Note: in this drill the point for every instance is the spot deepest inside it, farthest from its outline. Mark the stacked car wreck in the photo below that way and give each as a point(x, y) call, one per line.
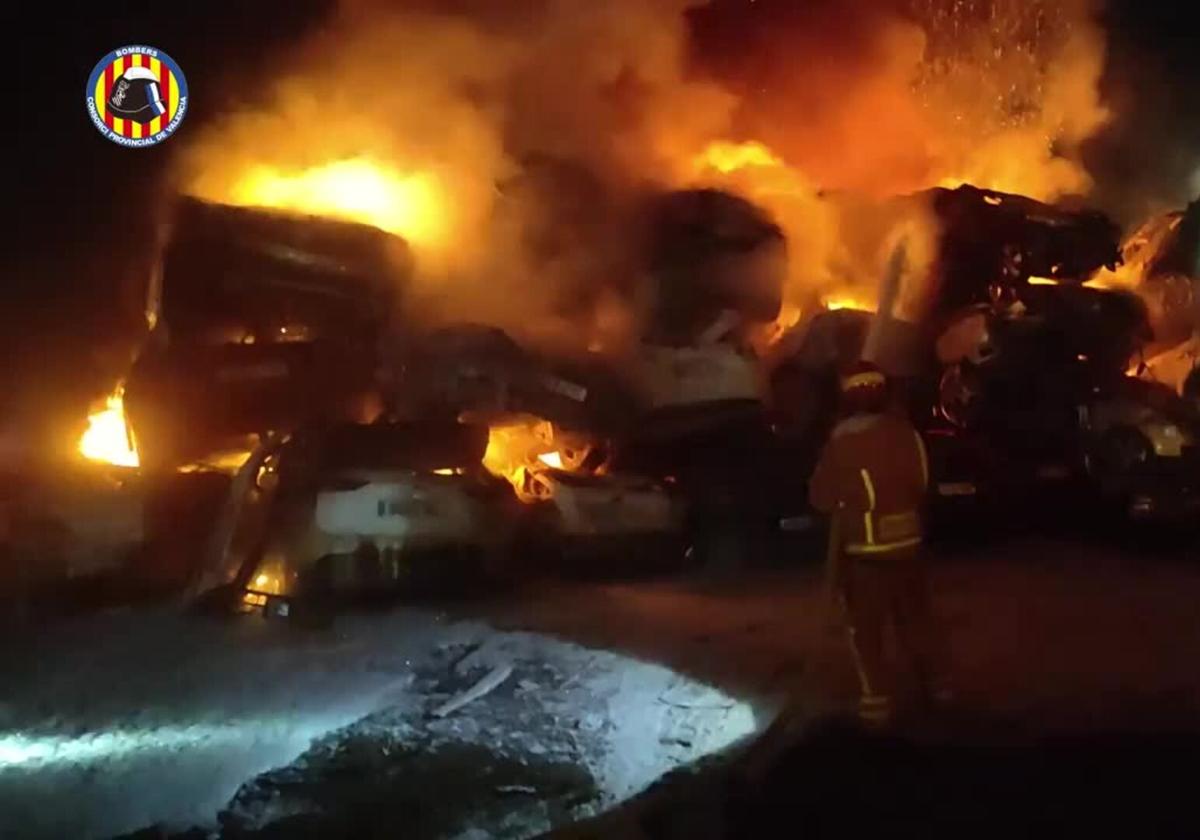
point(381, 454)
point(1018, 371)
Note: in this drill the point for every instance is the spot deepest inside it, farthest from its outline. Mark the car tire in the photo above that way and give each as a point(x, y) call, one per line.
point(1115, 455)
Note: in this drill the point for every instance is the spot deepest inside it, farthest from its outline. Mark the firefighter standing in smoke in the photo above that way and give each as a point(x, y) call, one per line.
point(871, 480)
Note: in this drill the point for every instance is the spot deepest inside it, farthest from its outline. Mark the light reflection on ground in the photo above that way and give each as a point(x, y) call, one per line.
point(132, 737)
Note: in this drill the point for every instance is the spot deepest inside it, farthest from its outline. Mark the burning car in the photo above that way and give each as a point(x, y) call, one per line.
point(991, 241)
point(1161, 261)
point(553, 423)
point(585, 516)
point(1043, 380)
point(1015, 345)
point(718, 262)
point(351, 509)
point(1162, 264)
point(1018, 374)
point(479, 372)
point(704, 424)
point(259, 320)
point(1140, 447)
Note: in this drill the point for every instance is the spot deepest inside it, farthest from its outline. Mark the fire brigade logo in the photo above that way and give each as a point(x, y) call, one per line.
point(137, 96)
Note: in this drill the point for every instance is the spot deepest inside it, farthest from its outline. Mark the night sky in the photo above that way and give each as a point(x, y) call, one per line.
point(80, 200)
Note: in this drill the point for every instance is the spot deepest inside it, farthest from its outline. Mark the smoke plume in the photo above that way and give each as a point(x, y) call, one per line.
point(532, 132)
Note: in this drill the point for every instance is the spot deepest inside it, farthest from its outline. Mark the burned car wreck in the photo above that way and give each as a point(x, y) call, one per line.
point(1018, 374)
point(1162, 264)
point(681, 449)
point(259, 321)
point(1044, 382)
point(553, 424)
point(358, 509)
point(667, 447)
point(252, 313)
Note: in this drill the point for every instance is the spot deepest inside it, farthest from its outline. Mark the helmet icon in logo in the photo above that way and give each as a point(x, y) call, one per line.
point(137, 96)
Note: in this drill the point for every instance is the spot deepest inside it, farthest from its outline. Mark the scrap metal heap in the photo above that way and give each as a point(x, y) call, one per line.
point(258, 320)
point(284, 327)
point(991, 238)
point(1019, 370)
point(1162, 263)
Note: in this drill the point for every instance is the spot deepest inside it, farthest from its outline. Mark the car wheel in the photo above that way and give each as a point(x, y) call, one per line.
point(958, 396)
point(1119, 452)
point(1113, 462)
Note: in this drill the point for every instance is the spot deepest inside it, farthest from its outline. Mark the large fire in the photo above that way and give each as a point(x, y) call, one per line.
point(108, 438)
point(411, 205)
point(892, 99)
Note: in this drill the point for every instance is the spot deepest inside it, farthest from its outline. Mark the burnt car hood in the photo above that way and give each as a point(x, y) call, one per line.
point(480, 372)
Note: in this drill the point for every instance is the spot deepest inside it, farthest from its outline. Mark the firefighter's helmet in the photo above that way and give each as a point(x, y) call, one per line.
point(864, 389)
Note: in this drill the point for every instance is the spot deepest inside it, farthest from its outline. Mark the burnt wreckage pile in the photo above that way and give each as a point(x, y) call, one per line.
point(389, 456)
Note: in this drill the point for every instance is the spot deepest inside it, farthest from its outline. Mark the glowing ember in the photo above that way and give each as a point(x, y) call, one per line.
point(847, 302)
point(553, 460)
point(108, 438)
point(358, 190)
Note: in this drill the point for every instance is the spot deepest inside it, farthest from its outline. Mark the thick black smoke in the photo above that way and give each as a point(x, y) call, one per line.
point(1148, 158)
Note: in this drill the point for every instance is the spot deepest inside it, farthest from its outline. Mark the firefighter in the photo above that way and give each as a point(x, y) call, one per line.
point(871, 480)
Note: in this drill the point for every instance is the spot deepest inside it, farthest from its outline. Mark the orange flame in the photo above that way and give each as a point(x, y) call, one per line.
point(1124, 277)
point(516, 448)
point(833, 302)
point(411, 205)
point(108, 438)
point(528, 445)
point(726, 157)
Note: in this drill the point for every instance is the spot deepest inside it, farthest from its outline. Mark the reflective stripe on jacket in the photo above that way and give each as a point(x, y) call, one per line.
point(872, 475)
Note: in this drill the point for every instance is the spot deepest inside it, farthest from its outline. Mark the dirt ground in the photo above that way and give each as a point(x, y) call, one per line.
point(1078, 683)
point(1048, 638)
point(1065, 635)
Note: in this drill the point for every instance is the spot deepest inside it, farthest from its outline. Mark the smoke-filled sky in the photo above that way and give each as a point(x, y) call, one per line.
point(876, 96)
point(760, 50)
point(543, 122)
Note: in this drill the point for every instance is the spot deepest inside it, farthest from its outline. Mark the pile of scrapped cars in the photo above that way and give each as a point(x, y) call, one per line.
point(381, 455)
point(1022, 377)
